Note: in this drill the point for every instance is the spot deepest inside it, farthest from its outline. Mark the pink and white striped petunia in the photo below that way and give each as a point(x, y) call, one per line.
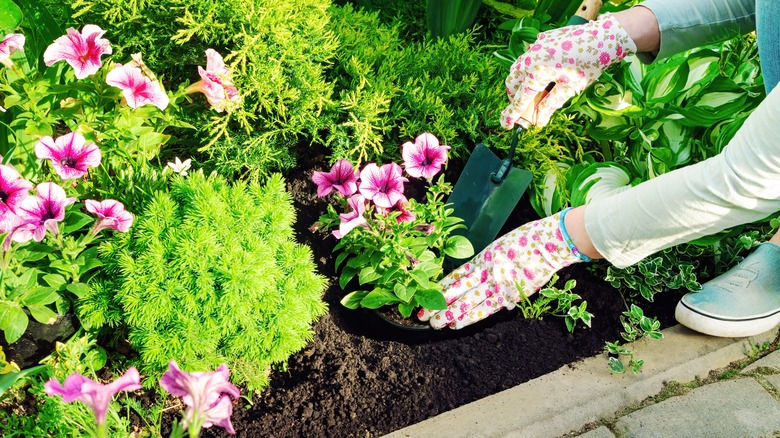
point(354, 218)
point(342, 177)
point(41, 213)
point(206, 394)
point(137, 89)
point(13, 189)
point(93, 394)
point(81, 50)
point(424, 157)
point(11, 43)
point(216, 83)
point(383, 185)
point(400, 206)
point(111, 214)
point(70, 154)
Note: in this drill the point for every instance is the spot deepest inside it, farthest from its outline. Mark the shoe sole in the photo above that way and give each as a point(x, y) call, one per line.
point(725, 328)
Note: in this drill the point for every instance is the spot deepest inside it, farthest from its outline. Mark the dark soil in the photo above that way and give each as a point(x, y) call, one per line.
point(361, 377)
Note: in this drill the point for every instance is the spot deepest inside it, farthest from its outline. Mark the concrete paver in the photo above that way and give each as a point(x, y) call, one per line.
point(585, 392)
point(600, 432)
point(771, 361)
point(731, 408)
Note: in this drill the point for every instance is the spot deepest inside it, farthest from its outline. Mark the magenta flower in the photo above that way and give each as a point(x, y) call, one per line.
point(137, 89)
point(216, 83)
point(111, 214)
point(13, 189)
point(205, 394)
point(70, 155)
point(41, 212)
point(342, 177)
point(383, 185)
point(424, 157)
point(354, 218)
point(91, 393)
point(81, 50)
point(406, 215)
point(11, 43)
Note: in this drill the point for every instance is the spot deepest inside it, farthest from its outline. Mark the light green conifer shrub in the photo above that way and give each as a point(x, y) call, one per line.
point(278, 50)
point(389, 89)
point(209, 274)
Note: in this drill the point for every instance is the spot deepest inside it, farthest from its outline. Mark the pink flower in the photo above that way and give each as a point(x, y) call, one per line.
point(137, 89)
point(558, 234)
point(566, 45)
point(511, 254)
point(383, 185)
point(488, 256)
point(111, 214)
point(354, 218)
point(424, 157)
point(81, 50)
point(483, 276)
point(41, 212)
point(604, 58)
point(207, 395)
point(529, 274)
point(13, 189)
point(448, 314)
point(406, 215)
point(342, 177)
point(11, 43)
point(523, 241)
point(550, 247)
point(216, 83)
point(91, 393)
point(70, 155)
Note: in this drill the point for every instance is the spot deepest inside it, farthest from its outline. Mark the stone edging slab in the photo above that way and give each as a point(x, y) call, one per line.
point(585, 391)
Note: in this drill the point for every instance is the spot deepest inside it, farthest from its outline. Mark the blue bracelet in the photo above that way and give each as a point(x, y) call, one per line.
point(568, 240)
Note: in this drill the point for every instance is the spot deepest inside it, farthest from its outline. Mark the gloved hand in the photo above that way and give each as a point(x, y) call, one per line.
point(572, 57)
point(523, 260)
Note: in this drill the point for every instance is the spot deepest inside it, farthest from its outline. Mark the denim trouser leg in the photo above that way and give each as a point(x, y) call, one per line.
point(768, 32)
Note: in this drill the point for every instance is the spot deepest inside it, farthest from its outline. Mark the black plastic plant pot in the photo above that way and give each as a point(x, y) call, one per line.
point(39, 340)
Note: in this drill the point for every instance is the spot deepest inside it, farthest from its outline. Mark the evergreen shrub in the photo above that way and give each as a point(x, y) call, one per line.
point(210, 274)
point(389, 89)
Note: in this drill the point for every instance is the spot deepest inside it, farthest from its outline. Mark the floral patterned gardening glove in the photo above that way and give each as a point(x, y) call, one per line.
point(572, 58)
point(519, 263)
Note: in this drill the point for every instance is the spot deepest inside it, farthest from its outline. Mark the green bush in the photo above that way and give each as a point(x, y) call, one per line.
point(389, 89)
point(210, 274)
point(277, 49)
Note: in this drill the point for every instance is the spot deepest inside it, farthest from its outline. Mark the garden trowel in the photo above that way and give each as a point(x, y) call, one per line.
point(489, 188)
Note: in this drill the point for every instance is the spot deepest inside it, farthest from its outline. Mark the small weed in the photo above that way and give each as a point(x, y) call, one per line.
point(556, 302)
point(635, 326)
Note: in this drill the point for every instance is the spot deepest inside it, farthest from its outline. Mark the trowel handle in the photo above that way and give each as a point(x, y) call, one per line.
point(587, 11)
point(498, 176)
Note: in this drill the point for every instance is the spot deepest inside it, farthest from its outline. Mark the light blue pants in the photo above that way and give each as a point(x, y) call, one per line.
point(740, 185)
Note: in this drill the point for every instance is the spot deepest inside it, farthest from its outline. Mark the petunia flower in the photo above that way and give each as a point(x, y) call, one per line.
point(216, 83)
point(70, 154)
point(342, 177)
point(111, 214)
point(205, 394)
point(383, 185)
point(137, 89)
point(81, 50)
point(424, 157)
point(41, 213)
point(11, 43)
point(406, 215)
point(354, 218)
point(13, 189)
point(91, 393)
point(179, 166)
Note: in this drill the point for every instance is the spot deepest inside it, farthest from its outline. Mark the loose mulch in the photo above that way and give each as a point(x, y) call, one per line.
point(361, 377)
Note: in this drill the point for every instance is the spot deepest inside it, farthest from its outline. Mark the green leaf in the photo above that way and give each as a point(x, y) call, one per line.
point(431, 299)
point(42, 314)
point(353, 299)
point(403, 292)
point(7, 380)
point(346, 276)
point(41, 296)
point(78, 289)
point(10, 16)
point(368, 275)
point(458, 247)
point(75, 220)
point(13, 321)
point(616, 365)
point(406, 309)
point(378, 298)
point(54, 280)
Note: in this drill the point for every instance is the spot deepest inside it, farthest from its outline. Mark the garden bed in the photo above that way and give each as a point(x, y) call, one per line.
point(361, 377)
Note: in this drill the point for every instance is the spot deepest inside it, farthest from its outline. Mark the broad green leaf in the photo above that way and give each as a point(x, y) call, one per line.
point(368, 275)
point(7, 380)
point(431, 299)
point(403, 292)
point(33, 251)
point(42, 314)
point(75, 220)
point(54, 280)
point(13, 321)
point(664, 83)
point(458, 247)
point(340, 258)
point(378, 298)
point(10, 16)
point(353, 299)
point(41, 296)
point(420, 277)
point(616, 365)
point(346, 275)
point(78, 289)
point(406, 309)
point(599, 180)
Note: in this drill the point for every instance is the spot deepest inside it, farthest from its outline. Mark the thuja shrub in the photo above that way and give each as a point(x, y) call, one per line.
point(276, 49)
point(210, 274)
point(389, 89)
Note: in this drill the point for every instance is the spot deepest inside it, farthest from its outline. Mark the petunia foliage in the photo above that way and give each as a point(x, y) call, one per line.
point(210, 274)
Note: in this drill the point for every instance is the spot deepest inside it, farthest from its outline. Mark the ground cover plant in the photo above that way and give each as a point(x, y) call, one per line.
point(212, 270)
